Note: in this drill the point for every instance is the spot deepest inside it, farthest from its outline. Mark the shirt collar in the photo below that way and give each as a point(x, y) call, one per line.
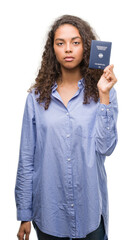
point(54, 87)
point(81, 84)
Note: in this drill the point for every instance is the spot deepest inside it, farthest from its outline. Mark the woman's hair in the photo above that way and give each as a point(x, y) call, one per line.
point(50, 70)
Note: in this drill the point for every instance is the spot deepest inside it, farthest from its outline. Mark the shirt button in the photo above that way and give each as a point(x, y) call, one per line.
point(72, 205)
point(68, 135)
point(102, 109)
point(108, 128)
point(68, 159)
point(67, 113)
point(107, 109)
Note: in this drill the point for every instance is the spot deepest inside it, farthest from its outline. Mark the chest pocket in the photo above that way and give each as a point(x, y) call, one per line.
point(86, 128)
point(84, 120)
point(85, 132)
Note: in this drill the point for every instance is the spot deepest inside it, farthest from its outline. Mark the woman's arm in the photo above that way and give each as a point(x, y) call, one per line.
point(23, 188)
point(106, 132)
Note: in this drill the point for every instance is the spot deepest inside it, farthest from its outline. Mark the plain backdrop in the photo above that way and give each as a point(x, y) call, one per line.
point(24, 25)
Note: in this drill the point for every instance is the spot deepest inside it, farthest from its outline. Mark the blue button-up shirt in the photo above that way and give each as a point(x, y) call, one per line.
point(61, 179)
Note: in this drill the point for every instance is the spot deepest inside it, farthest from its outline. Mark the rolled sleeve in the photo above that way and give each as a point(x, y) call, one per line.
point(106, 130)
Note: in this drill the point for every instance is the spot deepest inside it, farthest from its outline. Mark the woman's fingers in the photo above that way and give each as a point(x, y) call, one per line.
point(27, 236)
point(20, 235)
point(109, 68)
point(109, 74)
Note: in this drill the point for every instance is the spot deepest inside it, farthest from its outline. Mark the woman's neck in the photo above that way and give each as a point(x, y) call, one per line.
point(70, 77)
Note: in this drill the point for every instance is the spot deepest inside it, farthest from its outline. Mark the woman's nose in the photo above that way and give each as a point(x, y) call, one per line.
point(68, 48)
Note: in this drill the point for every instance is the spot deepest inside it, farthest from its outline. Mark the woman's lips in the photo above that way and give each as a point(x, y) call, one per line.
point(69, 59)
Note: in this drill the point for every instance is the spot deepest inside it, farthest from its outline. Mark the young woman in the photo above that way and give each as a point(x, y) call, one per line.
point(69, 127)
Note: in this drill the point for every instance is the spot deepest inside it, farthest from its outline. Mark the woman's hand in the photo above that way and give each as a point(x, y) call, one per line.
point(24, 231)
point(105, 83)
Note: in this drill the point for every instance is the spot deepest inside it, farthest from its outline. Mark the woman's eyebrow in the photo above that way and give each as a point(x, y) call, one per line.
point(61, 39)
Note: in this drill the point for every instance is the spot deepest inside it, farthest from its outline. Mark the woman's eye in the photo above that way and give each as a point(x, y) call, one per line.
point(76, 43)
point(59, 44)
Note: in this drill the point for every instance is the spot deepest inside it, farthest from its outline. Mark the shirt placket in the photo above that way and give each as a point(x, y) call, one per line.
point(70, 195)
point(69, 183)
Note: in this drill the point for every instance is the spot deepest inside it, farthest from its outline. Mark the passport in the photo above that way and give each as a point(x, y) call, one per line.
point(99, 54)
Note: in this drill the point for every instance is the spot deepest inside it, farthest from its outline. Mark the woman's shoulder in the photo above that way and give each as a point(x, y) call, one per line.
point(31, 98)
point(33, 93)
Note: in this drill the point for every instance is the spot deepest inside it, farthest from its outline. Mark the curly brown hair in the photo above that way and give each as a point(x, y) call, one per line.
point(50, 70)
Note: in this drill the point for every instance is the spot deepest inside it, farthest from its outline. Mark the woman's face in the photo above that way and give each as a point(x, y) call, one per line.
point(68, 46)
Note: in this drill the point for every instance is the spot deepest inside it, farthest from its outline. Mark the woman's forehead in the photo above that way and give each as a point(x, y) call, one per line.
point(67, 30)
